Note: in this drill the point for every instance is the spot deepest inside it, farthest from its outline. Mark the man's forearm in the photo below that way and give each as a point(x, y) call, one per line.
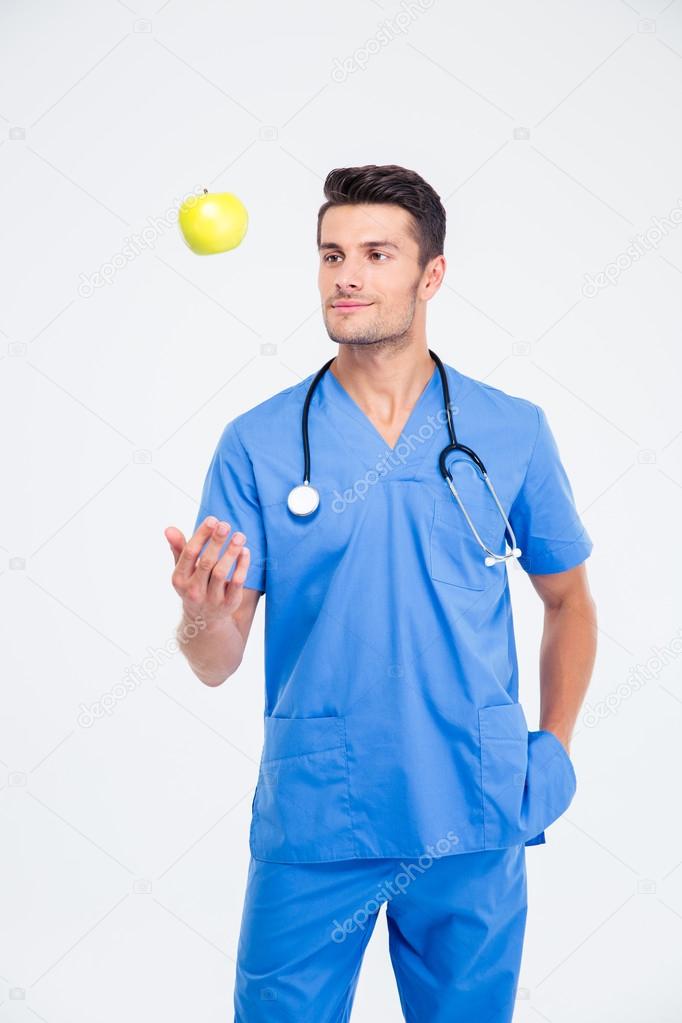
point(567, 654)
point(214, 649)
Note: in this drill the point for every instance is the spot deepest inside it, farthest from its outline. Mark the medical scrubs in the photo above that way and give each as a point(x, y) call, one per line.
point(391, 716)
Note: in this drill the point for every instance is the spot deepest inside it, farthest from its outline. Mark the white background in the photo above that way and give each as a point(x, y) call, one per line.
point(551, 132)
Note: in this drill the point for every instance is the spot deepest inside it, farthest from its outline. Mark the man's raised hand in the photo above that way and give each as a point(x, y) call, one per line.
point(201, 581)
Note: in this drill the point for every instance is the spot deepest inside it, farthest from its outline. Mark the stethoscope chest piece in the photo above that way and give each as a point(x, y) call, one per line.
point(303, 499)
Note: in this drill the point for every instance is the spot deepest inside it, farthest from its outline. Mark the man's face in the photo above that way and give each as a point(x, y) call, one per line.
point(368, 257)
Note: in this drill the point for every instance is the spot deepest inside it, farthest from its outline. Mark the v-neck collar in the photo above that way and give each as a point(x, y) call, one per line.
point(337, 392)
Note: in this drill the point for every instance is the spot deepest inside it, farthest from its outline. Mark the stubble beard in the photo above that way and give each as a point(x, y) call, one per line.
point(380, 333)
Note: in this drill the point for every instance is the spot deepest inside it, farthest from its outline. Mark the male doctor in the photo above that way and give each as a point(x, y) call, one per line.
point(398, 766)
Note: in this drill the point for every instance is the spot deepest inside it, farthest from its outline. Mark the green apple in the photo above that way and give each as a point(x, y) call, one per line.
point(213, 222)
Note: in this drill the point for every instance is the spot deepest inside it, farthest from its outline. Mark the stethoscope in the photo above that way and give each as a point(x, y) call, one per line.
point(304, 498)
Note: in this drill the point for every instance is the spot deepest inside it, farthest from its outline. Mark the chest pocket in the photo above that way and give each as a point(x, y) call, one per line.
point(455, 554)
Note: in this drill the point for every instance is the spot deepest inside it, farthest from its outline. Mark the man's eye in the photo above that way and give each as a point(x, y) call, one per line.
point(335, 255)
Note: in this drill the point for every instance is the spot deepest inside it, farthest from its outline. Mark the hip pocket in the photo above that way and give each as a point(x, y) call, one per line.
point(301, 808)
point(527, 778)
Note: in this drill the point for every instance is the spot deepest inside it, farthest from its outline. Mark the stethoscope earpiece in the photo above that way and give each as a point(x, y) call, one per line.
point(490, 560)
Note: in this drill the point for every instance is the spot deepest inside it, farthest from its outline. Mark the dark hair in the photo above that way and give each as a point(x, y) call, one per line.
point(347, 186)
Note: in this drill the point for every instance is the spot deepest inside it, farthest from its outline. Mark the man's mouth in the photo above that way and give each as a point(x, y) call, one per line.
point(349, 306)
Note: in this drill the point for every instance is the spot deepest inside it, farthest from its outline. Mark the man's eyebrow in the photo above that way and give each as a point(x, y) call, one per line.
point(364, 245)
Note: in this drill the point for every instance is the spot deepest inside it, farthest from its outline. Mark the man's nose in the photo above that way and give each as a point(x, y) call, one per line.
point(348, 279)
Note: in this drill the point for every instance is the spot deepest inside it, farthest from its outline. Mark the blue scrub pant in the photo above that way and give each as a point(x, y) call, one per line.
point(455, 935)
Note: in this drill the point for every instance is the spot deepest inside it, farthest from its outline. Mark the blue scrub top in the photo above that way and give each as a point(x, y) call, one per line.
point(391, 717)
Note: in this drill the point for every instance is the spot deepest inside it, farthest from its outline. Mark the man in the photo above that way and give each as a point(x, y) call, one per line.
point(397, 766)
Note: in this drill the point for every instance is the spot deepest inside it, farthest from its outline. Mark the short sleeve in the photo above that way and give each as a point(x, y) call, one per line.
point(230, 494)
point(543, 516)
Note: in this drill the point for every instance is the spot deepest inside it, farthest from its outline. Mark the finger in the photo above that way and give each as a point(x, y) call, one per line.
point(235, 586)
point(176, 541)
point(209, 556)
point(221, 570)
point(188, 556)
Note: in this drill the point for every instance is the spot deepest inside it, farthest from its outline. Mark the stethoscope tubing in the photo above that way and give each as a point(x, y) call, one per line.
point(454, 445)
point(304, 420)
